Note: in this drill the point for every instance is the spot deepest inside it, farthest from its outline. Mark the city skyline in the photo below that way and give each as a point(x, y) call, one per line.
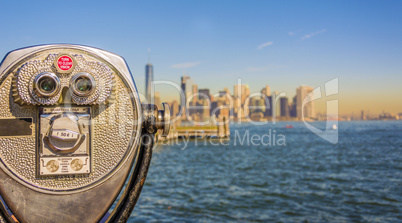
point(317, 107)
point(199, 105)
point(263, 43)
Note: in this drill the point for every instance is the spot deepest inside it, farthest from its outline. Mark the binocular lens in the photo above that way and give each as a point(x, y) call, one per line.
point(83, 84)
point(47, 84)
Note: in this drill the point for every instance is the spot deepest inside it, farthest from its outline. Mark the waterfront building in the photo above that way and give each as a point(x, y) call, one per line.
point(276, 108)
point(195, 96)
point(362, 116)
point(266, 90)
point(269, 104)
point(292, 108)
point(241, 93)
point(256, 108)
point(284, 105)
point(174, 108)
point(302, 93)
point(219, 108)
point(204, 110)
point(204, 93)
point(187, 90)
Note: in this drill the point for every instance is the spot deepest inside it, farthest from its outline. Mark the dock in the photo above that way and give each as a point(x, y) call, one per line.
point(192, 132)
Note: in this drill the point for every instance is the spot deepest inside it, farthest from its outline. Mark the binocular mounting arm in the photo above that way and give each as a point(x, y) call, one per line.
point(153, 120)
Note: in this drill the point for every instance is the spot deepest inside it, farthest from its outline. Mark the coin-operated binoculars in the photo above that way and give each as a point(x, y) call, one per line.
point(72, 133)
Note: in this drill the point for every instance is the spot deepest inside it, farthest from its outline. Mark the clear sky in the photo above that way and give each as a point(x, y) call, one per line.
point(216, 42)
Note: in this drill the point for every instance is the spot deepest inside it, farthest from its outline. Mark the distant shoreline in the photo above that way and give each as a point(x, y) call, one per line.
point(190, 125)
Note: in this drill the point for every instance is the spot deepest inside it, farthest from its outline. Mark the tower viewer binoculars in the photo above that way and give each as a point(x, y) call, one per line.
point(73, 133)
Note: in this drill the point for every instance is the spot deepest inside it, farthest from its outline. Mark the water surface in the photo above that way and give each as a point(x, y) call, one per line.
point(359, 179)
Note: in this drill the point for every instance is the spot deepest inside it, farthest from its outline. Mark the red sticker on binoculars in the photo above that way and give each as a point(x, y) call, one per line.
point(65, 63)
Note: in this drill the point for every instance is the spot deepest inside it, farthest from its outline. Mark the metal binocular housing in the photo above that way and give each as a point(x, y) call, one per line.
point(73, 133)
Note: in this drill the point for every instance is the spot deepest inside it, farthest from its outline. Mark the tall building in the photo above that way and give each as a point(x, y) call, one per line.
point(266, 90)
point(194, 99)
point(149, 77)
point(241, 92)
point(301, 93)
point(174, 112)
point(276, 108)
point(284, 104)
point(266, 96)
point(204, 94)
point(268, 102)
point(247, 93)
point(205, 109)
point(218, 108)
point(257, 104)
point(174, 108)
point(187, 89)
point(292, 110)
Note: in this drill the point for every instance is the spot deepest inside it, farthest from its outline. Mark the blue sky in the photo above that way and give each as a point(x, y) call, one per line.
point(216, 42)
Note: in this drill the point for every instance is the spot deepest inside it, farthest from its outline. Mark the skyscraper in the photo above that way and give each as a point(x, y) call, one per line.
point(187, 89)
point(292, 107)
point(195, 95)
point(205, 110)
point(149, 77)
point(174, 108)
point(303, 92)
point(268, 102)
point(276, 108)
point(204, 94)
point(284, 104)
point(257, 104)
point(241, 92)
point(266, 90)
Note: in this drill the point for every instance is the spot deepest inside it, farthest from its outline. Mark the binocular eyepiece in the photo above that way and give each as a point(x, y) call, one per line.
point(72, 128)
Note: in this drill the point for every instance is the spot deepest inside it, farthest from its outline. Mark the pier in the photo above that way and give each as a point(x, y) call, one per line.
point(192, 132)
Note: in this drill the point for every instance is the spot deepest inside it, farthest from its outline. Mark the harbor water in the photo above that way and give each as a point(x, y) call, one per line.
point(285, 173)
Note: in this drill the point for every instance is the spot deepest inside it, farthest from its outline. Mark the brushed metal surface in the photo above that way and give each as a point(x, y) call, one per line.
point(88, 206)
